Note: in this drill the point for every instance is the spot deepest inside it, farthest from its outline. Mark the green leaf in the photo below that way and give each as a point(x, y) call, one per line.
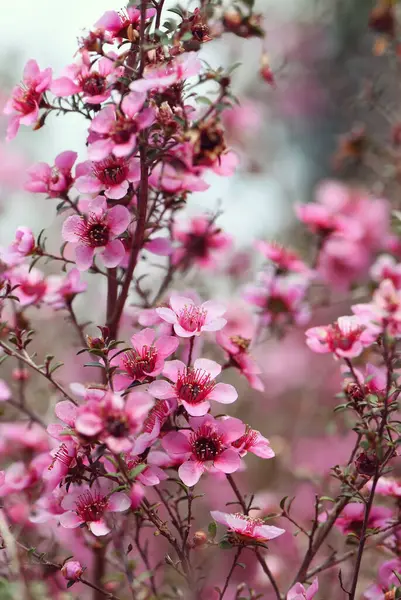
point(225, 545)
point(212, 529)
point(137, 470)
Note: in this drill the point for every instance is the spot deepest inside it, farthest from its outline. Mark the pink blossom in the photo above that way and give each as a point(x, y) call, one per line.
point(151, 475)
point(245, 528)
point(97, 233)
point(384, 312)
point(53, 181)
point(22, 246)
point(62, 290)
point(72, 570)
point(90, 506)
point(24, 104)
point(208, 445)
point(386, 486)
point(346, 338)
point(114, 419)
point(116, 129)
point(174, 177)
point(31, 283)
point(236, 348)
point(343, 261)
point(5, 392)
point(189, 319)
point(253, 441)
point(117, 22)
point(351, 518)
point(193, 387)
point(200, 243)
point(161, 77)
point(298, 591)
point(146, 359)
point(94, 80)
point(150, 431)
point(388, 580)
point(283, 259)
point(63, 458)
point(386, 267)
point(111, 175)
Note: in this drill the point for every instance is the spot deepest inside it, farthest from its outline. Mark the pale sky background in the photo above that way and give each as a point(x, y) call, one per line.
point(47, 30)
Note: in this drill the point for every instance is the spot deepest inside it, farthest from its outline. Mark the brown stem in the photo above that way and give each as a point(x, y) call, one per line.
point(27, 411)
point(98, 571)
point(231, 571)
point(267, 572)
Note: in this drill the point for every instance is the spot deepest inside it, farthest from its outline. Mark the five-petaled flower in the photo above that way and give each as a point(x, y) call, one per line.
point(189, 319)
point(111, 175)
point(345, 338)
point(244, 529)
point(96, 232)
point(53, 181)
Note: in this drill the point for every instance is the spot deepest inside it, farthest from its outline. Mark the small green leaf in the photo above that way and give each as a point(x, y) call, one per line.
point(212, 529)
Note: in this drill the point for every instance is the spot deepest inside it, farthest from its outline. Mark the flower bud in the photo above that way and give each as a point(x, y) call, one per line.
point(366, 463)
point(72, 570)
point(199, 539)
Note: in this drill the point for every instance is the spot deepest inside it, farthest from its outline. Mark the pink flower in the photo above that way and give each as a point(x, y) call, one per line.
point(189, 319)
point(193, 386)
point(386, 267)
point(298, 591)
point(386, 486)
point(97, 233)
point(351, 518)
point(117, 22)
point(160, 78)
point(200, 243)
point(208, 445)
point(94, 80)
point(113, 175)
point(63, 458)
point(22, 246)
point(5, 392)
point(90, 505)
point(253, 441)
point(114, 419)
point(62, 290)
point(72, 570)
point(236, 347)
point(23, 106)
point(384, 312)
point(174, 177)
point(343, 261)
point(116, 129)
point(151, 475)
point(31, 283)
point(245, 528)
point(146, 359)
point(346, 338)
point(283, 259)
point(53, 181)
point(388, 580)
point(156, 418)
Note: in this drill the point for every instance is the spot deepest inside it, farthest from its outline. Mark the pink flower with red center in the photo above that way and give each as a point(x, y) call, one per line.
point(117, 23)
point(62, 290)
point(352, 516)
point(284, 260)
point(24, 104)
point(384, 312)
point(161, 77)
point(246, 529)
point(193, 387)
point(116, 129)
point(22, 246)
point(90, 505)
point(253, 441)
point(111, 175)
point(189, 319)
point(236, 348)
point(146, 359)
point(386, 267)
point(93, 80)
point(31, 283)
point(388, 581)
point(200, 243)
point(345, 338)
point(53, 181)
point(114, 419)
point(207, 446)
point(299, 592)
point(96, 233)
point(174, 177)
point(151, 428)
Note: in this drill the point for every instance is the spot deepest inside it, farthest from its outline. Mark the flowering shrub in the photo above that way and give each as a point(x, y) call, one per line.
point(129, 487)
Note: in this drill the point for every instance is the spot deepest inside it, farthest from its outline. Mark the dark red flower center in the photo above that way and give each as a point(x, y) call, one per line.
point(338, 340)
point(91, 507)
point(94, 84)
point(111, 171)
point(123, 129)
point(194, 386)
point(117, 425)
point(206, 443)
point(138, 365)
point(98, 235)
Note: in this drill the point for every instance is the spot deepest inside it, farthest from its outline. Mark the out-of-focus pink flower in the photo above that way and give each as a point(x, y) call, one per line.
point(117, 128)
point(5, 392)
point(283, 259)
point(387, 580)
point(146, 359)
point(386, 486)
point(161, 77)
point(93, 80)
point(22, 246)
point(242, 121)
point(208, 445)
point(31, 283)
point(72, 570)
point(53, 181)
point(193, 386)
point(245, 528)
point(189, 320)
point(346, 338)
point(200, 243)
point(386, 267)
point(24, 104)
point(176, 178)
point(152, 425)
point(342, 261)
point(90, 506)
point(352, 516)
point(97, 233)
point(62, 290)
point(117, 23)
point(298, 591)
point(111, 175)
point(384, 312)
point(237, 347)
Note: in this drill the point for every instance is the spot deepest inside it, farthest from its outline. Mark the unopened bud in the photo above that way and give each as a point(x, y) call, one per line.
point(199, 539)
point(366, 462)
point(72, 570)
